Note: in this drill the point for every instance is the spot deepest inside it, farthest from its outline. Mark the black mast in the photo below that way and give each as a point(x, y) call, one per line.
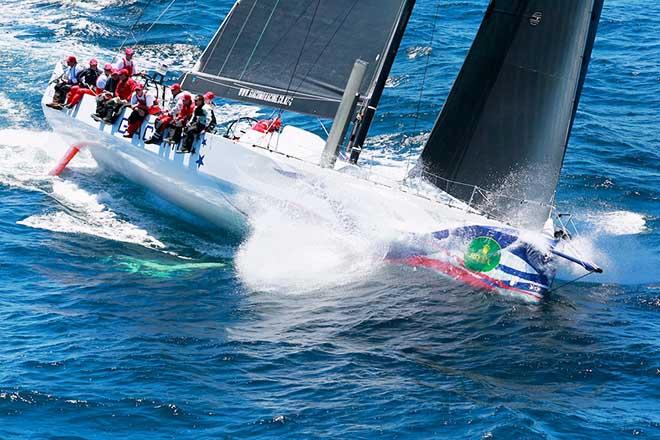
point(362, 128)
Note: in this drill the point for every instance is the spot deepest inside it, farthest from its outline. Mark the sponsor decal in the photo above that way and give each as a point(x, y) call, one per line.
point(535, 19)
point(148, 132)
point(123, 126)
point(483, 254)
point(260, 95)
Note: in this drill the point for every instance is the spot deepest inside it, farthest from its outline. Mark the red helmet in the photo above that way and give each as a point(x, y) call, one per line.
point(71, 59)
point(187, 96)
point(176, 87)
point(209, 96)
point(108, 66)
point(128, 51)
point(123, 72)
point(139, 87)
point(93, 62)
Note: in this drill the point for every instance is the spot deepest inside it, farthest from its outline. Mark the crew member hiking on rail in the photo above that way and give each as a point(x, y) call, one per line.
point(141, 103)
point(64, 83)
point(87, 80)
point(199, 123)
point(111, 110)
point(107, 93)
point(175, 118)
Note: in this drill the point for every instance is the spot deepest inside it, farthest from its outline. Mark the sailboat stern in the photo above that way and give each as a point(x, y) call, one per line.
point(490, 258)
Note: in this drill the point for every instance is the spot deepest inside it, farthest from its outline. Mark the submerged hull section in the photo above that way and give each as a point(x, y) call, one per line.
point(228, 183)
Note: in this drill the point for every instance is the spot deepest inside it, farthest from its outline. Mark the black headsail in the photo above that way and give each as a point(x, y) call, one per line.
point(506, 123)
point(297, 54)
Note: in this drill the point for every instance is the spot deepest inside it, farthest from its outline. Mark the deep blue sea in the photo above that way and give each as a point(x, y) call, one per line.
point(123, 317)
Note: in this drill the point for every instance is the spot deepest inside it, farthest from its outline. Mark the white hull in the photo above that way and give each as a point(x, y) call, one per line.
point(234, 181)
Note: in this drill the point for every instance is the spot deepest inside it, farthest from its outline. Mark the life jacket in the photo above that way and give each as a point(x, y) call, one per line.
point(141, 100)
point(268, 125)
point(128, 65)
point(72, 74)
point(186, 112)
point(124, 89)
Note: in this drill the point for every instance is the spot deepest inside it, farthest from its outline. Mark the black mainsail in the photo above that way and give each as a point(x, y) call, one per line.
point(298, 54)
point(506, 123)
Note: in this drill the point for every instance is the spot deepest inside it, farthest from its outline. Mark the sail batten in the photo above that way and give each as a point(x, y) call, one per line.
point(298, 54)
point(506, 123)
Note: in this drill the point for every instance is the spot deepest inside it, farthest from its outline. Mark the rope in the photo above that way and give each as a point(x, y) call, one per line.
point(295, 67)
point(428, 61)
point(139, 17)
point(323, 126)
point(137, 20)
point(159, 17)
point(571, 282)
point(263, 31)
point(426, 70)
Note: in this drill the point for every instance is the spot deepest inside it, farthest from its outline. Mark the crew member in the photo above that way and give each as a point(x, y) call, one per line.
point(87, 78)
point(198, 124)
point(208, 100)
point(107, 94)
point(176, 118)
point(68, 79)
point(123, 92)
point(103, 78)
point(141, 103)
point(127, 63)
point(86, 84)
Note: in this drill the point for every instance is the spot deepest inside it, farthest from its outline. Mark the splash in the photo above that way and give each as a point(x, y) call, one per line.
point(614, 241)
point(107, 226)
point(618, 223)
point(339, 237)
point(86, 215)
point(291, 253)
point(27, 156)
point(418, 51)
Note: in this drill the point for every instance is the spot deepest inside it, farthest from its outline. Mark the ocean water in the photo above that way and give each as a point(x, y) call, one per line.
point(123, 317)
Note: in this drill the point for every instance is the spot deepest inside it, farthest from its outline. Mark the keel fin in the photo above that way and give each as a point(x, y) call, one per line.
point(61, 165)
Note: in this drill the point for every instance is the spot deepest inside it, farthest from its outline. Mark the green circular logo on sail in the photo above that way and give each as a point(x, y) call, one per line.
point(482, 255)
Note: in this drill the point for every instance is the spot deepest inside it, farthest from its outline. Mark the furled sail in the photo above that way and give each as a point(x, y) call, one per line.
point(506, 123)
point(296, 54)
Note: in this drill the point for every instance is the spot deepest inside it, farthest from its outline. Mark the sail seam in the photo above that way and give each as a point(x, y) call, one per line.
point(263, 31)
point(238, 36)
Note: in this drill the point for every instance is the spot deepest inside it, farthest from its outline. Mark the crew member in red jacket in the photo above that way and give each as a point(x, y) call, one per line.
point(122, 95)
point(176, 118)
point(141, 103)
